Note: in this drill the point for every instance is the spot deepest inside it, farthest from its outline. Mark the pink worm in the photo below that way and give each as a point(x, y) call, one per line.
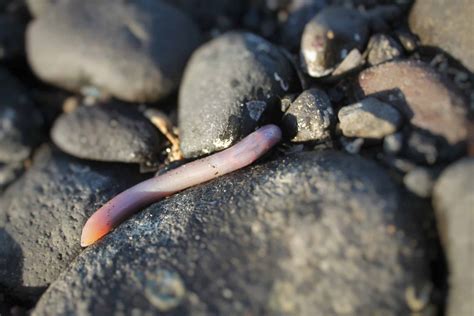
point(202, 170)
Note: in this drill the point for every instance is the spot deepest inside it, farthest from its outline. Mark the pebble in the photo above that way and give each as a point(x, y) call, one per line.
point(20, 121)
point(429, 102)
point(310, 117)
point(447, 25)
point(393, 143)
point(9, 173)
point(109, 132)
point(329, 37)
point(231, 85)
point(420, 181)
point(39, 7)
point(42, 214)
point(369, 118)
point(453, 201)
point(135, 51)
point(383, 48)
point(256, 249)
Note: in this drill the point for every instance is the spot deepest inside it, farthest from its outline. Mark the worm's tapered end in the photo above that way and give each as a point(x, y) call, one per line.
point(94, 229)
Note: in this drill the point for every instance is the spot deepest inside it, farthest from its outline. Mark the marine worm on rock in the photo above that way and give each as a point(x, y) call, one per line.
point(202, 170)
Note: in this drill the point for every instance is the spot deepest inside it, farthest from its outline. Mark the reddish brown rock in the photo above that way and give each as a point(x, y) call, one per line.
point(429, 102)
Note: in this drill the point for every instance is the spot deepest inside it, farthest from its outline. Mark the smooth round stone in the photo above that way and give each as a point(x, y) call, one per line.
point(42, 214)
point(453, 200)
point(314, 233)
point(369, 118)
point(430, 103)
point(310, 117)
point(329, 37)
point(20, 121)
point(133, 50)
point(111, 132)
point(231, 85)
point(447, 25)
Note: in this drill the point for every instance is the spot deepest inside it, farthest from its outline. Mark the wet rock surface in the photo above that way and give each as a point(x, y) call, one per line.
point(432, 106)
point(244, 244)
point(453, 201)
point(310, 117)
point(231, 83)
point(369, 118)
point(20, 120)
point(42, 214)
point(112, 45)
point(110, 132)
point(447, 25)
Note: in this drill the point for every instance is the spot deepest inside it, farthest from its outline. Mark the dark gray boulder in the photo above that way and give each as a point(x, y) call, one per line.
point(308, 234)
point(134, 50)
point(111, 132)
point(231, 85)
point(12, 31)
point(20, 121)
point(42, 214)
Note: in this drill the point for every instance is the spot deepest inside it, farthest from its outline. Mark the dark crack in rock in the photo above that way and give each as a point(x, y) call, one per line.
point(231, 85)
point(308, 234)
point(111, 132)
point(43, 213)
point(20, 121)
point(453, 200)
point(310, 117)
point(134, 50)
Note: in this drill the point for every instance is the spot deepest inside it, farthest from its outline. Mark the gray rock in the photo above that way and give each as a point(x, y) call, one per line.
point(135, 51)
point(369, 118)
point(41, 217)
point(421, 147)
point(111, 132)
point(447, 25)
point(453, 200)
point(310, 117)
point(420, 181)
point(307, 234)
point(11, 36)
point(231, 85)
point(382, 48)
point(392, 144)
point(329, 37)
point(20, 121)
point(430, 103)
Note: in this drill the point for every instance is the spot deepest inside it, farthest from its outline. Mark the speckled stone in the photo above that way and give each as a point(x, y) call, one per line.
point(231, 85)
point(109, 132)
point(41, 217)
point(310, 117)
point(315, 233)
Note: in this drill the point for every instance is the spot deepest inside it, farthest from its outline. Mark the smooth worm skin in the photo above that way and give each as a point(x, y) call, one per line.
point(202, 170)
